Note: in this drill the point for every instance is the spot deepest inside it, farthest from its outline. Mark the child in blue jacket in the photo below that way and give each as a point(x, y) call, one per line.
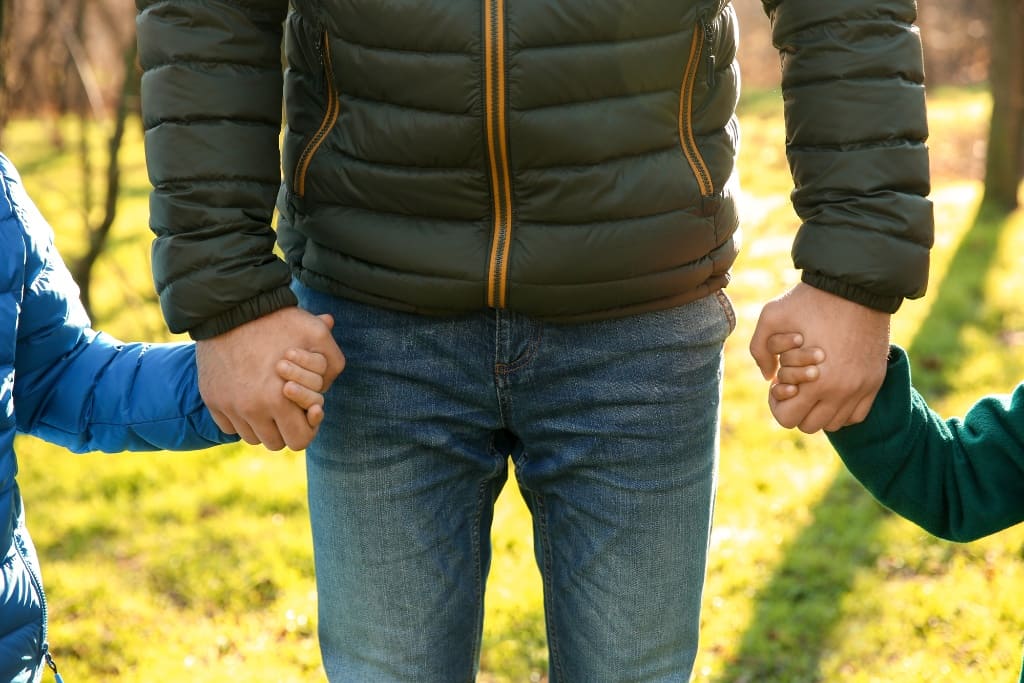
point(66, 383)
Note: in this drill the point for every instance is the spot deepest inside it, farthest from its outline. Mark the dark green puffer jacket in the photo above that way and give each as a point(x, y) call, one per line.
point(569, 159)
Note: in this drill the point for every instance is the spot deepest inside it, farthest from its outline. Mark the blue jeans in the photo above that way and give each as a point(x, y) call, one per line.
point(612, 428)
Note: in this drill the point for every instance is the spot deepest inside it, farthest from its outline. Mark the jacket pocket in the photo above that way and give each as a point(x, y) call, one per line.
point(330, 117)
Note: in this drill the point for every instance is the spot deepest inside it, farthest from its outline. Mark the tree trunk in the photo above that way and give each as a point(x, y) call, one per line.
point(82, 269)
point(1006, 80)
point(5, 33)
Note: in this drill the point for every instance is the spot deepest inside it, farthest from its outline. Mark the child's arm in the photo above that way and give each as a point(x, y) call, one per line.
point(958, 479)
point(75, 386)
point(81, 388)
point(102, 395)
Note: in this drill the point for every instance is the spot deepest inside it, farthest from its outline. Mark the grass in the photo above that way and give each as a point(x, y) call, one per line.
point(171, 567)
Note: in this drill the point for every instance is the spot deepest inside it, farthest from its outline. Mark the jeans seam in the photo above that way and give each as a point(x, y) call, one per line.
point(478, 579)
point(545, 545)
point(526, 358)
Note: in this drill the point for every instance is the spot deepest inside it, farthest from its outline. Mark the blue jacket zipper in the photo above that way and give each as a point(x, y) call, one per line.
point(38, 584)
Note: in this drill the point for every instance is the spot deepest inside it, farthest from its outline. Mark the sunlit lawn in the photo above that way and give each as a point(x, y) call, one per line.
point(198, 567)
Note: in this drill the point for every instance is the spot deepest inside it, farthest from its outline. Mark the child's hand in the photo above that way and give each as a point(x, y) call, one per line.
point(797, 364)
point(302, 372)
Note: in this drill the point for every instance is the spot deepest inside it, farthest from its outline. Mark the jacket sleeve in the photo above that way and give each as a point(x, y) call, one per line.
point(852, 84)
point(211, 105)
point(86, 391)
point(959, 479)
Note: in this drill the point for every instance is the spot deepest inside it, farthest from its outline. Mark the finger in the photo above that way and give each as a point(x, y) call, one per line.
point(308, 360)
point(819, 416)
point(315, 416)
point(841, 417)
point(781, 342)
point(791, 375)
point(766, 361)
point(335, 361)
point(301, 396)
point(855, 410)
point(863, 409)
point(797, 375)
point(300, 374)
point(791, 412)
point(246, 432)
point(235, 425)
point(221, 420)
point(783, 392)
point(860, 413)
point(327, 319)
point(808, 355)
point(294, 428)
point(268, 434)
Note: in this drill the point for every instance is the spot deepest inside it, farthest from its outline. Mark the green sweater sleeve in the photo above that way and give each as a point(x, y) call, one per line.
point(959, 479)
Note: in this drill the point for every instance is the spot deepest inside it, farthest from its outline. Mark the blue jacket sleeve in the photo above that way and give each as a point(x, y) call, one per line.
point(107, 396)
point(85, 390)
point(959, 479)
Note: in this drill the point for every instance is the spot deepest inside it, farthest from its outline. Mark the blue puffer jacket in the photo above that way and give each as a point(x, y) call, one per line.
point(66, 383)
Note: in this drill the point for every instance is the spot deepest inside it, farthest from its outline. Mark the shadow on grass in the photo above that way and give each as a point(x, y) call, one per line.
point(800, 605)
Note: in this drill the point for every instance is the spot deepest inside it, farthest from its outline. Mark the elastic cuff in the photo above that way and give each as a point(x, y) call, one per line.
point(250, 310)
point(859, 295)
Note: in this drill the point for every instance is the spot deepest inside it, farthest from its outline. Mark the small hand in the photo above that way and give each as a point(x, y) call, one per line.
point(303, 373)
point(798, 364)
point(240, 385)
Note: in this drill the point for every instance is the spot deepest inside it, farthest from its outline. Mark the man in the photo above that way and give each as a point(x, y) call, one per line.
point(521, 215)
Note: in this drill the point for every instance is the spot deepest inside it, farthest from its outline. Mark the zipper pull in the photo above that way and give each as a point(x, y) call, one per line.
point(709, 37)
point(53, 667)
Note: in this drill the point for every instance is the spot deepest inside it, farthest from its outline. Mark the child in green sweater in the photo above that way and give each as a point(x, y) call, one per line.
point(957, 478)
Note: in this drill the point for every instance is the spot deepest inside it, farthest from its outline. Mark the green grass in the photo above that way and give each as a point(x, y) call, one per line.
point(198, 567)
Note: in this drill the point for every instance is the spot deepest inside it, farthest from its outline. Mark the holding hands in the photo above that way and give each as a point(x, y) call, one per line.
point(855, 340)
point(264, 380)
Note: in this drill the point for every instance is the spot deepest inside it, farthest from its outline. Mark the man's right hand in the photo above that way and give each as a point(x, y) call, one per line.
point(241, 387)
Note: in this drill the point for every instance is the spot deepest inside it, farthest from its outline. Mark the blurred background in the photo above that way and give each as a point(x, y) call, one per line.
point(198, 567)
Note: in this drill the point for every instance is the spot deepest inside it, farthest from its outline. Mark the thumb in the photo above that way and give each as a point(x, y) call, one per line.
point(327, 319)
point(766, 361)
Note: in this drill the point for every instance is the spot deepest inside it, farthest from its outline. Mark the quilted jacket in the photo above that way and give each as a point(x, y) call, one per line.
point(567, 159)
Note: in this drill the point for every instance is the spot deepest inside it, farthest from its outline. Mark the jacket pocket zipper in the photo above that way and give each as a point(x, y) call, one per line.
point(703, 36)
point(326, 124)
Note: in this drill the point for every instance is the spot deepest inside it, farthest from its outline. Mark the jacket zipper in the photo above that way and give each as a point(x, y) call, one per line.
point(702, 37)
point(37, 583)
point(326, 124)
point(497, 151)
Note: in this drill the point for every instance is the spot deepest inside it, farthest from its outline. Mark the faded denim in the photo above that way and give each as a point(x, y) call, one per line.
point(612, 429)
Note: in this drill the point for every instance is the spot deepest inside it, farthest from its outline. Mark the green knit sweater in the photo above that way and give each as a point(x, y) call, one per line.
point(959, 479)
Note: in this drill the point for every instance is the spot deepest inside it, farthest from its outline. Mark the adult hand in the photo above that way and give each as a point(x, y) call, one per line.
point(241, 387)
point(855, 340)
